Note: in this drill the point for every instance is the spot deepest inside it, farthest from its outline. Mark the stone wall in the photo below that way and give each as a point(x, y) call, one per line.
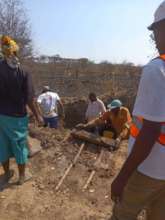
point(114, 81)
point(79, 86)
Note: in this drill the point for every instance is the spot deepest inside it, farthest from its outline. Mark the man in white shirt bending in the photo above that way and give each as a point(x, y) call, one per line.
point(48, 102)
point(95, 107)
point(141, 181)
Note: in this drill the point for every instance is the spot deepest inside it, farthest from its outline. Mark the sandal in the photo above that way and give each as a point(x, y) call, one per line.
point(23, 179)
point(8, 175)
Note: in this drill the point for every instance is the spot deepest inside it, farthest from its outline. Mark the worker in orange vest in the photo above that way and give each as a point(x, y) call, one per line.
point(141, 181)
point(114, 123)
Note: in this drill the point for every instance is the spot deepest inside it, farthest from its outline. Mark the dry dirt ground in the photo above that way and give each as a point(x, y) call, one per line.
point(38, 200)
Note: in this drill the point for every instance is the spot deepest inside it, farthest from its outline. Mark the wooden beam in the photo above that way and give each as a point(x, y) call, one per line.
point(92, 138)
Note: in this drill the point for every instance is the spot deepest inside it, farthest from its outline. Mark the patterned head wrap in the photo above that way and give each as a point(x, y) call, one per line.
point(9, 46)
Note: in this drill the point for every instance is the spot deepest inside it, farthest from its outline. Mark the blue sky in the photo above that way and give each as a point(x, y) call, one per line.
point(113, 30)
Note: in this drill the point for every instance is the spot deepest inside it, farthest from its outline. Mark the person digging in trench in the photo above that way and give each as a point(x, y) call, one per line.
point(49, 103)
point(114, 123)
point(95, 107)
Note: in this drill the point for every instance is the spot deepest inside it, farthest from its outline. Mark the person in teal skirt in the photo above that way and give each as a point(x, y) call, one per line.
point(16, 93)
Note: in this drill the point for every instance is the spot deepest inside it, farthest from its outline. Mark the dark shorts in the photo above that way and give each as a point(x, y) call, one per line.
point(51, 122)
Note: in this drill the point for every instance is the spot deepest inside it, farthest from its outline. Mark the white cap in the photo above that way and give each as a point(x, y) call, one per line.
point(159, 15)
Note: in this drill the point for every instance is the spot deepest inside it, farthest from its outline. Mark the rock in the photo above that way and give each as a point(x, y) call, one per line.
point(41, 187)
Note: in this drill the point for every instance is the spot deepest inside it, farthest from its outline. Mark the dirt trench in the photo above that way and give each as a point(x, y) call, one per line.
point(75, 108)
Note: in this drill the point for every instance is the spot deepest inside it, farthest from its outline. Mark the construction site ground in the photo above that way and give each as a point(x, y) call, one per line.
point(38, 199)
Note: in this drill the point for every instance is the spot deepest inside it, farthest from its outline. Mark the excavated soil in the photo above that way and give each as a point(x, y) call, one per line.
point(38, 199)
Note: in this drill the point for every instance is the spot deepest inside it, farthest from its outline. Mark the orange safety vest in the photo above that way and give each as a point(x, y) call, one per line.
point(137, 123)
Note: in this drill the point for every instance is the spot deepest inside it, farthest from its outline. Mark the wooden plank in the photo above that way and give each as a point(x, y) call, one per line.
point(92, 138)
point(70, 167)
point(78, 154)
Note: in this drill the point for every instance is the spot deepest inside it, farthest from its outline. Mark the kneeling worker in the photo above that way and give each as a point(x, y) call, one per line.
point(114, 123)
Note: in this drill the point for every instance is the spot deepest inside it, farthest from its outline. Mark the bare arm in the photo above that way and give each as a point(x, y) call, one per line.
point(30, 100)
point(90, 124)
point(34, 108)
point(61, 106)
point(125, 132)
point(126, 127)
point(102, 107)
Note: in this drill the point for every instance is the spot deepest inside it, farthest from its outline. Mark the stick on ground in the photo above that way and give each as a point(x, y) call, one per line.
point(93, 172)
point(70, 167)
point(67, 137)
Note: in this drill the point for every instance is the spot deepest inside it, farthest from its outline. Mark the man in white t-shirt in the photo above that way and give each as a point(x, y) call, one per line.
point(141, 181)
point(48, 102)
point(95, 107)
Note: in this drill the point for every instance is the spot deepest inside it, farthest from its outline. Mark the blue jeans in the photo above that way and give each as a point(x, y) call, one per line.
point(51, 122)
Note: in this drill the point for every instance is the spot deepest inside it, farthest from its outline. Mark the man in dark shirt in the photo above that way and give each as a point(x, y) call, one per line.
point(16, 92)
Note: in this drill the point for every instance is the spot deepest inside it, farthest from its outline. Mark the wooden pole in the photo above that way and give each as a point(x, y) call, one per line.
point(66, 137)
point(93, 172)
point(70, 167)
point(89, 180)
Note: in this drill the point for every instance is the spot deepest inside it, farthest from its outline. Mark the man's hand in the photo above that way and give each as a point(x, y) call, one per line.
point(36, 111)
